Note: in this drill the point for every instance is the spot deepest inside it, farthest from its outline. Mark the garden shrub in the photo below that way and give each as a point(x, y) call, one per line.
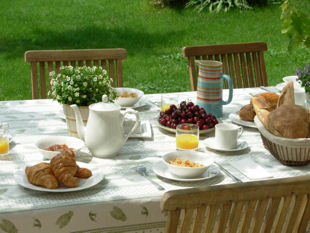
point(170, 3)
point(257, 2)
point(217, 5)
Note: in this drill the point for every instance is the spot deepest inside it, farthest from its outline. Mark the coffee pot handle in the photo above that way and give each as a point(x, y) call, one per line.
point(230, 86)
point(137, 123)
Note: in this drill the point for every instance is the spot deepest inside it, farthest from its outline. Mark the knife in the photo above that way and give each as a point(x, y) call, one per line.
point(228, 173)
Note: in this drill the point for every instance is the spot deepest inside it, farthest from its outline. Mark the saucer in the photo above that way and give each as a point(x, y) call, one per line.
point(161, 170)
point(141, 103)
point(210, 143)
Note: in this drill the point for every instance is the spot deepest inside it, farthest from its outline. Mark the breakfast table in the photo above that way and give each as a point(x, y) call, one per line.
point(123, 200)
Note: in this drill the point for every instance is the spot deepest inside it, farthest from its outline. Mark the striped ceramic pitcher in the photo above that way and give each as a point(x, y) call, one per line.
point(209, 87)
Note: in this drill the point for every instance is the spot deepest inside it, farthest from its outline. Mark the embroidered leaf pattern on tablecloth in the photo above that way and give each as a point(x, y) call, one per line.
point(135, 157)
point(7, 226)
point(37, 223)
point(3, 191)
point(145, 211)
point(64, 219)
point(92, 216)
point(20, 131)
point(118, 214)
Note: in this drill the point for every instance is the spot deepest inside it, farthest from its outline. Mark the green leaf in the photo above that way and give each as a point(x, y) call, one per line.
point(3, 191)
point(118, 214)
point(135, 157)
point(145, 211)
point(92, 216)
point(37, 223)
point(307, 42)
point(64, 219)
point(8, 227)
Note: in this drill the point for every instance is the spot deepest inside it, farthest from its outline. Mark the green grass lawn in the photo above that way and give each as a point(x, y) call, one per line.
point(153, 38)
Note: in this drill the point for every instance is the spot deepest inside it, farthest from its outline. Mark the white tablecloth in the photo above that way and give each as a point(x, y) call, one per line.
point(123, 201)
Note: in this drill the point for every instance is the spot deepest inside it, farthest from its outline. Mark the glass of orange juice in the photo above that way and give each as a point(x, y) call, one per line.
point(4, 142)
point(187, 136)
point(167, 100)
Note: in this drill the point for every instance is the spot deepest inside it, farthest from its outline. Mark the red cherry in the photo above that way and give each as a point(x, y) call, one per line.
point(204, 127)
point(186, 127)
point(183, 121)
point(190, 120)
point(196, 108)
point(190, 104)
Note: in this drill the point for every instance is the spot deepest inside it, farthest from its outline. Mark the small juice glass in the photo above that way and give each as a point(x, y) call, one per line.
point(4, 142)
point(187, 136)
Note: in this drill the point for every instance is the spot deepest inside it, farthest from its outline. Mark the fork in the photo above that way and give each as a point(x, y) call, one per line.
point(228, 173)
point(142, 171)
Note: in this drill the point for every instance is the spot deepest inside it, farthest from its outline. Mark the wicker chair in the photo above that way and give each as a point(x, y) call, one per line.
point(243, 62)
point(44, 61)
point(262, 206)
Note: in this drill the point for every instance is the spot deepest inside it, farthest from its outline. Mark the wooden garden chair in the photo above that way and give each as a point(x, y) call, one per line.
point(243, 62)
point(263, 206)
point(44, 61)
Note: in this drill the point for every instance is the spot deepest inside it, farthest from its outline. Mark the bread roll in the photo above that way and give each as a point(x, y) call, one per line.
point(289, 121)
point(247, 113)
point(263, 104)
point(287, 94)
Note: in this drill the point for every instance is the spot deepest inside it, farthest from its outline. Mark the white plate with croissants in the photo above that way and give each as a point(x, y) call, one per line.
point(61, 174)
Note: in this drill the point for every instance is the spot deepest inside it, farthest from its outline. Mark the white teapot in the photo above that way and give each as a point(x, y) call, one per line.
point(104, 132)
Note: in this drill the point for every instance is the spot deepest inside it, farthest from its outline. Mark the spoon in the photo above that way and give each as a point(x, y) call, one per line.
point(142, 171)
point(82, 156)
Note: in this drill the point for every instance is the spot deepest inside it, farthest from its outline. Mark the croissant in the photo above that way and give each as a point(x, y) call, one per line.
point(41, 174)
point(64, 168)
point(83, 173)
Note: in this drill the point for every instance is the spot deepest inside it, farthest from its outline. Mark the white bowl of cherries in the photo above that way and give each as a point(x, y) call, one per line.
point(186, 112)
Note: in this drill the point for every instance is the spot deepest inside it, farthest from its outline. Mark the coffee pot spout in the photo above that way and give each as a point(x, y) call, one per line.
point(79, 122)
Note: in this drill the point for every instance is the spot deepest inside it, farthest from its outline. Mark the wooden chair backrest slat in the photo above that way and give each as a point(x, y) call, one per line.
point(273, 209)
point(249, 72)
point(278, 205)
point(42, 80)
point(80, 57)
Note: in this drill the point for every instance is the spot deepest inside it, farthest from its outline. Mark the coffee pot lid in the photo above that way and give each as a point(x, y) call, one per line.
point(105, 105)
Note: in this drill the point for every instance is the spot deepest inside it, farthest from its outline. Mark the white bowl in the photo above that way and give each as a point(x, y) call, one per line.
point(290, 78)
point(187, 172)
point(47, 141)
point(128, 101)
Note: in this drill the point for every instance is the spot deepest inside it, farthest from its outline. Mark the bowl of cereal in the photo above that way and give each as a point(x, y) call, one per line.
point(187, 164)
point(50, 146)
point(128, 97)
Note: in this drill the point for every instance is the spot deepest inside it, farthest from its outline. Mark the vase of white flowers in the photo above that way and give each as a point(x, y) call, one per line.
point(81, 86)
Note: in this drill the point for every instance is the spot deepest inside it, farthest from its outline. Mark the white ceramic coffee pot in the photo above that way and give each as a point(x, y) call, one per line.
point(104, 132)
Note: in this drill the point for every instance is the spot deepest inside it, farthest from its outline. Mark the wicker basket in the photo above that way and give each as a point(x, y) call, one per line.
point(291, 152)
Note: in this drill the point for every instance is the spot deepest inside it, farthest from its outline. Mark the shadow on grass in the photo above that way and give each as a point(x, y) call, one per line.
point(135, 41)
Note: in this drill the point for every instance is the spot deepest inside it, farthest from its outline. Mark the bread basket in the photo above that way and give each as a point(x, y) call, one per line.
point(291, 152)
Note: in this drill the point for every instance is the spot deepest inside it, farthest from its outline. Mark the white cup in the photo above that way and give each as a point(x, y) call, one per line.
point(290, 78)
point(227, 134)
point(297, 83)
